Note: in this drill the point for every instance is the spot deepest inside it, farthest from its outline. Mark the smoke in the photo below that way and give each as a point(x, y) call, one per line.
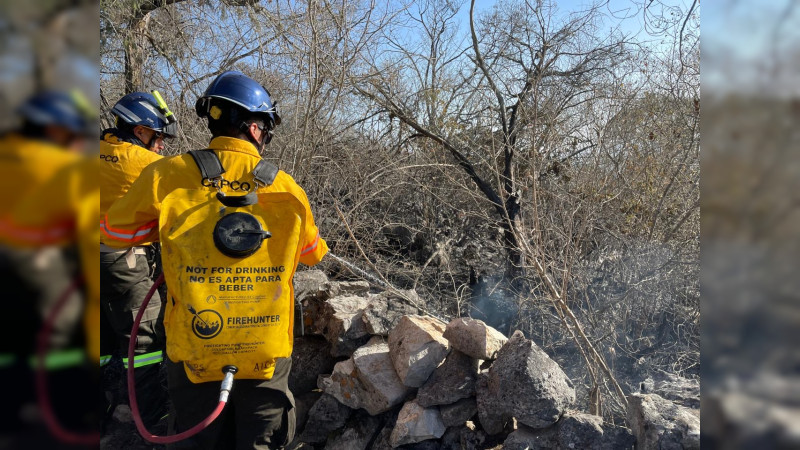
point(495, 303)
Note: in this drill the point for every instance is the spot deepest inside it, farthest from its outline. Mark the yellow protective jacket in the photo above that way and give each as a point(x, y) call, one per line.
point(63, 211)
point(133, 219)
point(50, 214)
point(120, 165)
point(25, 165)
point(49, 194)
point(250, 300)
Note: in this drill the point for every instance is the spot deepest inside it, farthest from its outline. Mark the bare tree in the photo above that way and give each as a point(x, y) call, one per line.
point(524, 77)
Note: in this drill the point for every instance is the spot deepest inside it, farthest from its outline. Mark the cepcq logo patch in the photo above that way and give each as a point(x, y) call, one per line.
point(206, 324)
point(110, 158)
point(232, 185)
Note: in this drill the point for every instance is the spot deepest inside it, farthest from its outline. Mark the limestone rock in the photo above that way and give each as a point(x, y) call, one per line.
point(375, 370)
point(748, 419)
point(683, 391)
point(416, 424)
point(343, 326)
point(474, 337)
point(526, 384)
point(310, 357)
point(344, 384)
point(358, 288)
point(417, 348)
point(367, 380)
point(451, 381)
point(458, 413)
point(325, 416)
point(311, 289)
point(310, 284)
point(385, 310)
point(660, 424)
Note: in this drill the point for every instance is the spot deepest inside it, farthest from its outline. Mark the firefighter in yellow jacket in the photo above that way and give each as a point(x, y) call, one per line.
point(233, 229)
point(63, 213)
point(143, 121)
point(34, 275)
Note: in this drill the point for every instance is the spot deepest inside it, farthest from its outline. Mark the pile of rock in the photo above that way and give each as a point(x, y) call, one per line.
point(659, 423)
point(389, 377)
point(666, 413)
point(760, 411)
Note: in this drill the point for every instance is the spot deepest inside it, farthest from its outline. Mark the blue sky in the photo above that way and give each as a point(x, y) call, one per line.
point(751, 46)
point(746, 28)
point(627, 14)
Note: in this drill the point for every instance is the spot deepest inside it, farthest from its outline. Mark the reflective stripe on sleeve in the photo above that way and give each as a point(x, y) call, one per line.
point(44, 235)
point(310, 247)
point(126, 235)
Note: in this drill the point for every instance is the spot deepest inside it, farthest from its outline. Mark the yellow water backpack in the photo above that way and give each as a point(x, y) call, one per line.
point(228, 264)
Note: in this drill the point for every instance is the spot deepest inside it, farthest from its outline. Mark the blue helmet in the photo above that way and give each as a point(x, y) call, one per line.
point(141, 108)
point(70, 111)
point(241, 90)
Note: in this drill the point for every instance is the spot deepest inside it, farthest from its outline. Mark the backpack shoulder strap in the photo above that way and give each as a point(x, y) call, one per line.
point(265, 172)
point(211, 167)
point(208, 162)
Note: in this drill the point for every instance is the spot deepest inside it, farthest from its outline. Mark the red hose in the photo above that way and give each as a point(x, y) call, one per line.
point(42, 393)
point(132, 388)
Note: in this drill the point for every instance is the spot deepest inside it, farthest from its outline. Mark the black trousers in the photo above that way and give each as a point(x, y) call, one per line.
point(259, 415)
point(33, 281)
point(124, 283)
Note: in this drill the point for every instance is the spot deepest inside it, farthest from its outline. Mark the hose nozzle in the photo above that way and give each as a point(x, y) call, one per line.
point(227, 382)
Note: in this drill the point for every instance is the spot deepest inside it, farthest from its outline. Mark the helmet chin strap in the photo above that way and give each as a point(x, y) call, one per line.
point(266, 138)
point(149, 145)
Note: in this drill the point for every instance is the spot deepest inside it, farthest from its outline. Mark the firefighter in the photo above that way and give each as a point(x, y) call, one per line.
point(142, 122)
point(232, 229)
point(54, 129)
point(53, 124)
point(63, 213)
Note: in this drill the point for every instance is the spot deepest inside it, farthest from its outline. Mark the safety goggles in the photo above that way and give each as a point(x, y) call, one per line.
point(162, 135)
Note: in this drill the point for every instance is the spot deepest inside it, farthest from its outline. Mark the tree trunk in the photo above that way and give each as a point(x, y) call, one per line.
point(514, 256)
point(135, 59)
